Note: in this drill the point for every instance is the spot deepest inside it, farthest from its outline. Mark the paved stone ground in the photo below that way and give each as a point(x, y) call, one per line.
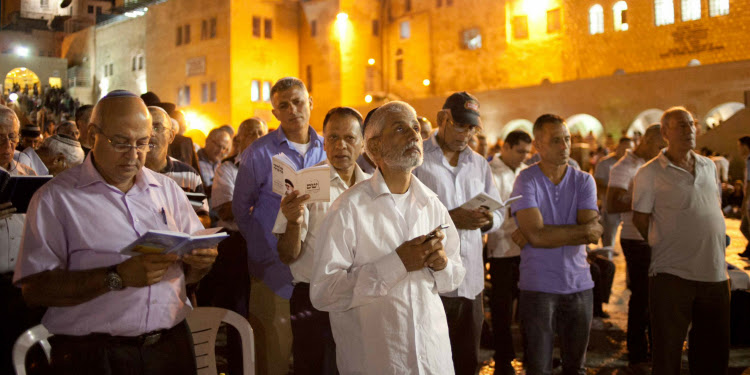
point(607, 354)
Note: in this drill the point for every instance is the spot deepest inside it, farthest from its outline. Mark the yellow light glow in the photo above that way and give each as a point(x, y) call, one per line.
point(343, 27)
point(371, 61)
point(531, 7)
point(426, 82)
point(368, 98)
point(342, 16)
point(196, 121)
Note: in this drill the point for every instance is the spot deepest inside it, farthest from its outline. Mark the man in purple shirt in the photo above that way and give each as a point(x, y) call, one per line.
point(112, 313)
point(558, 216)
point(272, 280)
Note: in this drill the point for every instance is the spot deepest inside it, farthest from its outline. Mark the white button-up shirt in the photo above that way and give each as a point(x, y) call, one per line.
point(313, 217)
point(223, 188)
point(384, 319)
point(11, 228)
point(454, 187)
point(499, 243)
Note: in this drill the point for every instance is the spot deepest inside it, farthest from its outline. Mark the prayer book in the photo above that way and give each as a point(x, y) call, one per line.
point(196, 199)
point(168, 242)
point(315, 181)
point(484, 200)
point(19, 189)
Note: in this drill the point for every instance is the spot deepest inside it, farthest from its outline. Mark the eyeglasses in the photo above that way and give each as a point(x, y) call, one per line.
point(160, 129)
point(12, 138)
point(126, 147)
point(463, 128)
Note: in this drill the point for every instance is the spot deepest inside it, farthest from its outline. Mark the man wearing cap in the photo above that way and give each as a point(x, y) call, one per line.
point(457, 174)
point(58, 153)
point(112, 313)
point(31, 136)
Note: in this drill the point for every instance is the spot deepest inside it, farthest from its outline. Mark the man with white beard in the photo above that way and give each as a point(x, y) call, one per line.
point(380, 269)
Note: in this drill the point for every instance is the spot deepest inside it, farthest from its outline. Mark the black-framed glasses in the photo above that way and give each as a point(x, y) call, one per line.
point(126, 147)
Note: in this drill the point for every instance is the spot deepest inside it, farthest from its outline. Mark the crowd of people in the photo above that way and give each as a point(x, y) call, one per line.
point(388, 277)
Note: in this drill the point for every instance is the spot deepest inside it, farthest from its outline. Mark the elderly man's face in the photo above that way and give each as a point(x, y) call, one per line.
point(553, 143)
point(248, 134)
point(218, 146)
point(401, 142)
point(292, 108)
point(123, 122)
point(162, 135)
point(343, 141)
point(9, 130)
point(680, 132)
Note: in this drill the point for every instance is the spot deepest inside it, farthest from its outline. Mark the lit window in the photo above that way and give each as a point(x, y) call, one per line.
point(204, 30)
point(405, 30)
point(596, 19)
point(256, 27)
point(186, 37)
point(204, 93)
point(663, 12)
point(691, 10)
point(212, 28)
point(268, 28)
point(135, 59)
point(309, 74)
point(620, 12)
point(183, 96)
point(521, 27)
point(140, 62)
point(179, 35)
point(313, 28)
point(44, 3)
point(718, 7)
point(255, 91)
point(471, 39)
point(553, 20)
point(267, 91)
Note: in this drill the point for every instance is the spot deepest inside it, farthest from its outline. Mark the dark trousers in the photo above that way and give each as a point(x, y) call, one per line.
point(638, 258)
point(99, 354)
point(465, 317)
point(603, 273)
point(313, 347)
point(504, 277)
point(16, 318)
point(675, 303)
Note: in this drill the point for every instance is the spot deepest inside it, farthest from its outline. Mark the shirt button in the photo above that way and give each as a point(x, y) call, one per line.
point(137, 221)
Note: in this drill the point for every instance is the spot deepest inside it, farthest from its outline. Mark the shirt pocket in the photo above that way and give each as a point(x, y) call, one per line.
point(162, 219)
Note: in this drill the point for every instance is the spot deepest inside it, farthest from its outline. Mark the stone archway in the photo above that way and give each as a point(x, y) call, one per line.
point(517, 124)
point(19, 79)
point(583, 123)
point(721, 113)
point(644, 120)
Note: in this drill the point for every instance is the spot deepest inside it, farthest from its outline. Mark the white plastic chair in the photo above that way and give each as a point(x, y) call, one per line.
point(36, 334)
point(204, 323)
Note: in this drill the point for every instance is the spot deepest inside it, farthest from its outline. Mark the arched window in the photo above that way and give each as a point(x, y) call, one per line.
point(663, 12)
point(691, 10)
point(718, 7)
point(596, 19)
point(620, 11)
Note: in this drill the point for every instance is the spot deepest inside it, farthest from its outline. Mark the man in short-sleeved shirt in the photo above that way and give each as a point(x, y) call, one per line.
point(558, 216)
point(677, 207)
point(610, 221)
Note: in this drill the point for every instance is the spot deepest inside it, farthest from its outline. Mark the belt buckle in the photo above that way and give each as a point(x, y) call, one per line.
point(151, 339)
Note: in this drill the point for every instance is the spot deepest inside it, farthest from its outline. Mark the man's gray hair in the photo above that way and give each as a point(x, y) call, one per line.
point(7, 113)
point(287, 83)
point(376, 124)
point(167, 121)
point(252, 121)
point(672, 112)
point(70, 148)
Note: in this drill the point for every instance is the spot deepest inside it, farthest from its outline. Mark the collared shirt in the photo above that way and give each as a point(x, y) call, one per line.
point(187, 178)
point(365, 165)
point(561, 270)
point(77, 222)
point(621, 177)
point(313, 218)
point(255, 178)
point(223, 189)
point(687, 228)
point(208, 168)
point(499, 243)
point(601, 172)
point(11, 228)
point(384, 319)
point(455, 186)
point(722, 167)
point(536, 158)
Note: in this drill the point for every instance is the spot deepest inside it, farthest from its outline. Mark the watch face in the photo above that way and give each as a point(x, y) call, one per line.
point(114, 282)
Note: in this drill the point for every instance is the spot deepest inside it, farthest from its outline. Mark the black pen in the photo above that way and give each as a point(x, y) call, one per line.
point(164, 215)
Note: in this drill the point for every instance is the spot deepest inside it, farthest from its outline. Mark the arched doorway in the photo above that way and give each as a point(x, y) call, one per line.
point(19, 79)
point(583, 124)
point(721, 113)
point(517, 124)
point(644, 120)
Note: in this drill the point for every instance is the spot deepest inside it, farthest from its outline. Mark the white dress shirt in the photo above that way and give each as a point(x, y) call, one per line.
point(223, 188)
point(455, 186)
point(621, 177)
point(384, 319)
point(313, 218)
point(11, 228)
point(499, 243)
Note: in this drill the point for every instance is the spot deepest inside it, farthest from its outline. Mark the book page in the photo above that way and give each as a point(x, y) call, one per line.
point(482, 200)
point(315, 181)
point(283, 175)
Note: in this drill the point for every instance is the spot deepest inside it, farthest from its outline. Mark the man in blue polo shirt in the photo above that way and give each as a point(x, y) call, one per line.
point(271, 285)
point(557, 216)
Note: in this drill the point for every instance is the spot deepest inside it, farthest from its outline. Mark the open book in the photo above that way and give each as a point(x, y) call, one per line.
point(19, 189)
point(315, 181)
point(165, 242)
point(484, 200)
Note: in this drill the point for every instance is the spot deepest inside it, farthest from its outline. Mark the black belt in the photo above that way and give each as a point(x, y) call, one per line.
point(146, 339)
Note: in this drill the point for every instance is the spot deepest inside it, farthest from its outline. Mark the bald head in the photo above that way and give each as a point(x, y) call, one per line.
point(160, 117)
point(119, 106)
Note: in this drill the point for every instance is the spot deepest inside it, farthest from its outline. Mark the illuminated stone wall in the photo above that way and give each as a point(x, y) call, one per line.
point(116, 45)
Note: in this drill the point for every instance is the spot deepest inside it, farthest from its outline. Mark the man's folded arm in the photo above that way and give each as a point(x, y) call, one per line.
point(541, 235)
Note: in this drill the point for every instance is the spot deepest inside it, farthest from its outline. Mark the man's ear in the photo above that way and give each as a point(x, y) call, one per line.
point(309, 98)
point(59, 159)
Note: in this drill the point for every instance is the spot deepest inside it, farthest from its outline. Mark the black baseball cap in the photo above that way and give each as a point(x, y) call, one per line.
point(464, 108)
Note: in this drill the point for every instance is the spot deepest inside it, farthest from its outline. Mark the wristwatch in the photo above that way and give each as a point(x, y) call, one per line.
point(113, 279)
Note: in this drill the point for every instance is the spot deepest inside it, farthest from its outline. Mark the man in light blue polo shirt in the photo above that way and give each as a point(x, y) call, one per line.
point(557, 216)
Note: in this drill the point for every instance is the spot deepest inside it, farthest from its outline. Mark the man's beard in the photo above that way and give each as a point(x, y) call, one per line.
point(397, 159)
